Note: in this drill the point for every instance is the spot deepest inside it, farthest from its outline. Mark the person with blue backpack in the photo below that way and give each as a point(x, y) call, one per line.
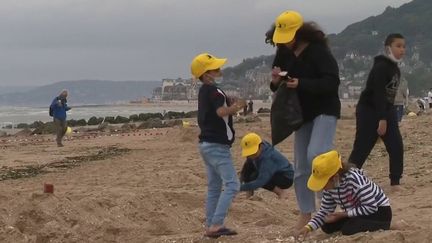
point(58, 109)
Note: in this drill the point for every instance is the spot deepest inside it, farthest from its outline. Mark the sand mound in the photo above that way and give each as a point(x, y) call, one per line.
point(185, 134)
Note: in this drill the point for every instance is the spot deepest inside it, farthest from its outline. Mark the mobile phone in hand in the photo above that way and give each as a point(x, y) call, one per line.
point(283, 73)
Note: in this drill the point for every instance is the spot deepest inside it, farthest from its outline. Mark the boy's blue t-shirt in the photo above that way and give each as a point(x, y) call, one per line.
point(214, 129)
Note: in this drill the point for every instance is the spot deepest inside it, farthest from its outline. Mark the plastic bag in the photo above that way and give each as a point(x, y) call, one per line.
point(286, 113)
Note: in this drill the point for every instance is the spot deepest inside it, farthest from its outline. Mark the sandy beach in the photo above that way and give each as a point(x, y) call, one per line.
point(150, 186)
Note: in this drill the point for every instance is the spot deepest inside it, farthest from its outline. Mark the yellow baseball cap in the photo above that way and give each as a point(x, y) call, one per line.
point(287, 25)
point(250, 144)
point(324, 166)
point(205, 62)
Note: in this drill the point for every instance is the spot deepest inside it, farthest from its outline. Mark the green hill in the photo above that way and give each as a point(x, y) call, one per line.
point(238, 72)
point(355, 47)
point(412, 19)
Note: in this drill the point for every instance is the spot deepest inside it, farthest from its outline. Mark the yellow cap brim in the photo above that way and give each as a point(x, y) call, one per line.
point(281, 37)
point(315, 184)
point(218, 63)
point(250, 151)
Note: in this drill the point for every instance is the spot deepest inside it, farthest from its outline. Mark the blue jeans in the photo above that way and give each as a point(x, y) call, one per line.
point(220, 172)
point(312, 139)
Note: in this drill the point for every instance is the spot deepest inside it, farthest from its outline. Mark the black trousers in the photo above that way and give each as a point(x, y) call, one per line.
point(367, 136)
point(279, 179)
point(380, 220)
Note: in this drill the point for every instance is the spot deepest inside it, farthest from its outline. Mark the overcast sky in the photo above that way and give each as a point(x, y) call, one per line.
point(44, 41)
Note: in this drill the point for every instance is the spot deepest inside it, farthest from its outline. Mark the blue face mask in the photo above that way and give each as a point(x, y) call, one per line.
point(216, 80)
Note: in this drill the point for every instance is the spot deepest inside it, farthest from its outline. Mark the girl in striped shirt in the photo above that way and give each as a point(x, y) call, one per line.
point(364, 204)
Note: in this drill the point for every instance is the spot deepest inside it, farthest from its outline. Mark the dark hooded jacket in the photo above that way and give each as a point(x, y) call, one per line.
point(381, 86)
point(318, 75)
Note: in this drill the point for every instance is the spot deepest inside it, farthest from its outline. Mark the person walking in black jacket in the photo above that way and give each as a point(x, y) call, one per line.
point(375, 113)
point(313, 72)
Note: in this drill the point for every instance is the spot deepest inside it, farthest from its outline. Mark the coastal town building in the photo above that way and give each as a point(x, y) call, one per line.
point(176, 89)
point(349, 89)
point(257, 82)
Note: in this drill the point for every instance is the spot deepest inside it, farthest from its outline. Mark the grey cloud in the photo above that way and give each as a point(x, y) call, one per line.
point(45, 41)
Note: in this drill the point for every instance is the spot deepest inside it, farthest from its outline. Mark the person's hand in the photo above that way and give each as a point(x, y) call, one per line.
point(301, 234)
point(292, 83)
point(334, 217)
point(382, 127)
point(243, 196)
point(249, 194)
point(276, 78)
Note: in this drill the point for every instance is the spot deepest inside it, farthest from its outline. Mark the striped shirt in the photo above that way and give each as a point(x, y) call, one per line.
point(356, 194)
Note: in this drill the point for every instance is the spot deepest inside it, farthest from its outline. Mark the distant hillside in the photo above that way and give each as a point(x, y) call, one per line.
point(238, 72)
point(366, 37)
point(82, 92)
point(14, 89)
point(355, 47)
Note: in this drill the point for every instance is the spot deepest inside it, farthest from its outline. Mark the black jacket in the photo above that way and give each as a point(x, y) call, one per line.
point(214, 129)
point(381, 86)
point(318, 75)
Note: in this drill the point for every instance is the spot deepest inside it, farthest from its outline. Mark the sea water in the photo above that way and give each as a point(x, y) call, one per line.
point(16, 115)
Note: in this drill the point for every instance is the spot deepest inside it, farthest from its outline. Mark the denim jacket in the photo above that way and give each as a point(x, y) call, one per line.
point(267, 164)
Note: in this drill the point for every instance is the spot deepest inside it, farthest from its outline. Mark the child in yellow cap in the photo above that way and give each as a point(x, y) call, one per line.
point(215, 112)
point(364, 204)
point(265, 167)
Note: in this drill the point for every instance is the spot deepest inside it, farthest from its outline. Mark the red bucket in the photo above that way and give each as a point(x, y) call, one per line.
point(48, 188)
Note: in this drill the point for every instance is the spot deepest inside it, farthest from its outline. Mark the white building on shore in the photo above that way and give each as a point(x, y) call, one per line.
point(176, 89)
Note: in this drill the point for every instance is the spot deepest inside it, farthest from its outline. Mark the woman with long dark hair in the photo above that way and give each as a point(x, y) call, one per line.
point(302, 52)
